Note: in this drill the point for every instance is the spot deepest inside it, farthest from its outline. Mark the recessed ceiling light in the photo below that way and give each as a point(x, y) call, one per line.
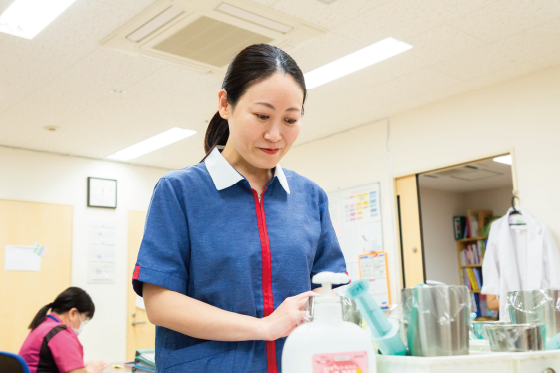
point(358, 60)
point(51, 128)
point(505, 159)
point(153, 143)
point(254, 18)
point(117, 91)
point(27, 18)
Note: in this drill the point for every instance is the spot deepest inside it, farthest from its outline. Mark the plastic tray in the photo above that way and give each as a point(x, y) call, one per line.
point(522, 362)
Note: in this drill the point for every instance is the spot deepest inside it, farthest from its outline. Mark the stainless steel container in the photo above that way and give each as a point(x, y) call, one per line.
point(350, 311)
point(437, 318)
point(516, 337)
point(480, 332)
point(535, 306)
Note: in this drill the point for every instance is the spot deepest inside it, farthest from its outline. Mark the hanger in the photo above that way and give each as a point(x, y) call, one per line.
point(515, 211)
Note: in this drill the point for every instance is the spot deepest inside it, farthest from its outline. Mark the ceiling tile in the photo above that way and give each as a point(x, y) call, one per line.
point(103, 70)
point(324, 113)
point(440, 43)
point(92, 18)
point(323, 50)
point(323, 15)
point(181, 154)
point(549, 60)
point(46, 107)
point(179, 79)
point(135, 6)
point(70, 37)
point(402, 20)
point(20, 76)
point(12, 134)
point(138, 102)
point(265, 2)
point(478, 62)
point(502, 18)
point(400, 65)
point(536, 42)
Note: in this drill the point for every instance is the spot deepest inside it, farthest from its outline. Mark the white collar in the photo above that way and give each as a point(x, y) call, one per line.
point(224, 175)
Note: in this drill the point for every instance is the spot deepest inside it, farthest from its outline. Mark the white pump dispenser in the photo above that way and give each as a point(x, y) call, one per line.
point(328, 344)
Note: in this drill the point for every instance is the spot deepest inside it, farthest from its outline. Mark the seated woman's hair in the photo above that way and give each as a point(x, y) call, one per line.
point(73, 297)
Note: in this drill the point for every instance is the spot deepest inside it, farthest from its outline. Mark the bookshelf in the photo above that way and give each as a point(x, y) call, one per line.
point(461, 245)
point(470, 252)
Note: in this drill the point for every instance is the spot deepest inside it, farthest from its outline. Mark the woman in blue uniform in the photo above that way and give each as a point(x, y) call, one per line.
point(230, 245)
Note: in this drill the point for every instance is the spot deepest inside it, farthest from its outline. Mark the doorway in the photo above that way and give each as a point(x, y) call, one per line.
point(428, 206)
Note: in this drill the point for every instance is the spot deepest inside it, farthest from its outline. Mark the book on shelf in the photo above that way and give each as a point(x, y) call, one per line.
point(472, 278)
point(472, 225)
point(472, 254)
point(472, 222)
point(482, 309)
point(459, 227)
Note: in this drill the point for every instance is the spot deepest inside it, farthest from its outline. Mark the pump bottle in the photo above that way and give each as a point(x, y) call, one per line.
point(328, 344)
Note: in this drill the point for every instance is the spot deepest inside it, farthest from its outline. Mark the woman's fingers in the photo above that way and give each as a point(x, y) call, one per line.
point(307, 294)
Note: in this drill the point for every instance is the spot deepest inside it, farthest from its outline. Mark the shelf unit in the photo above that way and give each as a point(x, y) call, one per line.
point(462, 244)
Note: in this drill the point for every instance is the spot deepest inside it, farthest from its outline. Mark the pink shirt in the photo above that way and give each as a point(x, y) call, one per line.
point(52, 347)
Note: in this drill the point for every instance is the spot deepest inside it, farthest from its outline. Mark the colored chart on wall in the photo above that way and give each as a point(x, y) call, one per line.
point(374, 268)
point(356, 217)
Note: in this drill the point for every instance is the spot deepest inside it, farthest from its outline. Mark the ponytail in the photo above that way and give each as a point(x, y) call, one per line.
point(40, 316)
point(73, 297)
point(216, 134)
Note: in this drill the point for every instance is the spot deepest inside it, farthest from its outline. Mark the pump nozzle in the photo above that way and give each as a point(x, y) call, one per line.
point(326, 279)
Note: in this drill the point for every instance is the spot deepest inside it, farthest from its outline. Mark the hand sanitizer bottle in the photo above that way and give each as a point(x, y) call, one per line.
point(328, 344)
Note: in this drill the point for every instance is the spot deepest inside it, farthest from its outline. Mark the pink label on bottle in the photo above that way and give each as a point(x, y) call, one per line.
point(341, 362)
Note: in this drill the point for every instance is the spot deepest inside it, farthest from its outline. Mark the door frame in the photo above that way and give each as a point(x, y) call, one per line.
point(441, 167)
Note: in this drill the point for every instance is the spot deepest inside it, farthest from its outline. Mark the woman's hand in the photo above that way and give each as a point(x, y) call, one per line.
point(95, 366)
point(284, 319)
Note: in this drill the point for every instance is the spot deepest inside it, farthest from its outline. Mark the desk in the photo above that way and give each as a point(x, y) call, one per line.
point(111, 368)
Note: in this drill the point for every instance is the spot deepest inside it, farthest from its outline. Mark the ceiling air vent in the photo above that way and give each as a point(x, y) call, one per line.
point(467, 173)
point(205, 34)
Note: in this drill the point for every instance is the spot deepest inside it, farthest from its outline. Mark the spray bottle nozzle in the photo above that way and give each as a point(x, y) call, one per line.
point(385, 332)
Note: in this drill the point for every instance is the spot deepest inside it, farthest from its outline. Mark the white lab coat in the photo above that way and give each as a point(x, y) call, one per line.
point(519, 258)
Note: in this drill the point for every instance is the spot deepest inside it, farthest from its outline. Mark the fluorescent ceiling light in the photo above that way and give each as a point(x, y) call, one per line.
point(27, 18)
point(156, 22)
point(355, 61)
point(254, 18)
point(505, 159)
point(153, 143)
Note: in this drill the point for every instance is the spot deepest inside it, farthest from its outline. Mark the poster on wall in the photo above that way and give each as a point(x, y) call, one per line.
point(101, 252)
point(356, 218)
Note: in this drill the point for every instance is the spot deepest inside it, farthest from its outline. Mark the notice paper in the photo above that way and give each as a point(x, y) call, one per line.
point(21, 258)
point(101, 252)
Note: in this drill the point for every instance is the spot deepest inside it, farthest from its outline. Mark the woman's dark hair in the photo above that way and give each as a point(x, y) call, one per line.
point(253, 64)
point(72, 297)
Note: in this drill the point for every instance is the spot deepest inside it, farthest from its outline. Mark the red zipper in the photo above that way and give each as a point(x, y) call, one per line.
point(268, 300)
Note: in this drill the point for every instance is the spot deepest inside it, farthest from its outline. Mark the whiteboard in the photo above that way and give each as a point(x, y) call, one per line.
point(356, 218)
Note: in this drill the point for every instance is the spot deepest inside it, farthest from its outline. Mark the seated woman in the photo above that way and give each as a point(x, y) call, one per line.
point(52, 346)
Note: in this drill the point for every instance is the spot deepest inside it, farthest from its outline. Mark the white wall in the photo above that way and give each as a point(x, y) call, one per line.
point(438, 208)
point(496, 199)
point(522, 115)
point(48, 178)
point(440, 248)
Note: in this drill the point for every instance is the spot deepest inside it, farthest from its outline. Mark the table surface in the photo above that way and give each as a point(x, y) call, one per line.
point(112, 368)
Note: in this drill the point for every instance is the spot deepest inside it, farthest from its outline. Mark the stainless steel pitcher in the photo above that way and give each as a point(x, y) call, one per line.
point(437, 319)
point(535, 306)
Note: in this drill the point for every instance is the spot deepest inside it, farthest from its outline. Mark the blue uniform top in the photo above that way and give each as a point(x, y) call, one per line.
point(208, 236)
